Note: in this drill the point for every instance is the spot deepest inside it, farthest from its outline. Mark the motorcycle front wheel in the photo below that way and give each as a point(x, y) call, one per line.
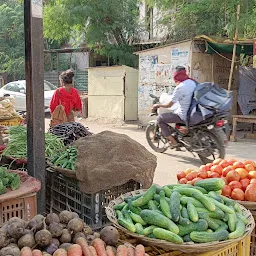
point(155, 139)
point(214, 147)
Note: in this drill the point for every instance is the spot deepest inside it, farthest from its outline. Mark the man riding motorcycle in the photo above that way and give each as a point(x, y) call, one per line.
point(182, 95)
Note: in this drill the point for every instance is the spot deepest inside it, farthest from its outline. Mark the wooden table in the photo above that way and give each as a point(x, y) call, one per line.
point(242, 119)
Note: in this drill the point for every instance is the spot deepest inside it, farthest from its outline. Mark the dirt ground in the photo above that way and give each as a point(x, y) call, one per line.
point(171, 162)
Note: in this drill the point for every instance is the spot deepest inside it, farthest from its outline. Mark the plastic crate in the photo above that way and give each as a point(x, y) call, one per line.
point(63, 193)
point(23, 207)
point(11, 122)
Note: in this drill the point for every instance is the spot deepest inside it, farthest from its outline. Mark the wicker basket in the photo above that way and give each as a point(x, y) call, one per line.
point(185, 247)
point(248, 205)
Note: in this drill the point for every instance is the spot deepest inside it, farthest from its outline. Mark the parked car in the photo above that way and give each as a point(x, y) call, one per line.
point(17, 89)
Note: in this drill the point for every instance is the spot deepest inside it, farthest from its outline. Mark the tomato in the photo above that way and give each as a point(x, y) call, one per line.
point(237, 194)
point(227, 170)
point(190, 182)
point(190, 177)
point(189, 170)
point(225, 179)
point(232, 161)
point(253, 163)
point(226, 191)
point(183, 181)
point(235, 184)
point(203, 175)
point(252, 175)
point(214, 175)
point(250, 193)
point(253, 181)
point(217, 161)
point(238, 165)
point(245, 183)
point(217, 168)
point(194, 174)
point(209, 165)
point(181, 175)
point(204, 168)
point(233, 175)
point(195, 179)
point(242, 173)
point(224, 163)
point(249, 167)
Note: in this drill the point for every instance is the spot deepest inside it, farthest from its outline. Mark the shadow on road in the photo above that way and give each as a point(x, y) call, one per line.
point(186, 159)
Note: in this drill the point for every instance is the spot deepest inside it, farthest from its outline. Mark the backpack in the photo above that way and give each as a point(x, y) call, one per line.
point(208, 100)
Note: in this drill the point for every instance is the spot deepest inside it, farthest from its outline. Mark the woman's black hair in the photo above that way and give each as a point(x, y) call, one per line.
point(179, 68)
point(67, 76)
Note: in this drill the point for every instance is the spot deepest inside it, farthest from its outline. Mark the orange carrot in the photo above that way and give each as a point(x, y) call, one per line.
point(60, 252)
point(26, 251)
point(110, 251)
point(130, 251)
point(75, 250)
point(122, 250)
point(139, 250)
point(37, 253)
point(99, 245)
point(84, 245)
point(92, 251)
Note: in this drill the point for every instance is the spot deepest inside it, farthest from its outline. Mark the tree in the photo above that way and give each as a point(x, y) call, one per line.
point(12, 40)
point(109, 27)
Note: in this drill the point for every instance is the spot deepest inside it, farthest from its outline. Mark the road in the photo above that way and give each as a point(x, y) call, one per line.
point(171, 162)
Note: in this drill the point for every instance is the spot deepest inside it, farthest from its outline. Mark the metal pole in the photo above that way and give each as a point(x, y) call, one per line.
point(34, 66)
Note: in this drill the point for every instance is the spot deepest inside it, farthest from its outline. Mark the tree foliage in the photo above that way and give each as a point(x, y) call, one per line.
point(109, 27)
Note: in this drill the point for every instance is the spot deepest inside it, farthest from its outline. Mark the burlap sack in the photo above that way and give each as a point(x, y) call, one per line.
point(58, 116)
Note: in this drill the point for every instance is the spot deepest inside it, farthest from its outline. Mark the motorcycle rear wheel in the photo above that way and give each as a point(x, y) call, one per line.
point(216, 144)
point(156, 141)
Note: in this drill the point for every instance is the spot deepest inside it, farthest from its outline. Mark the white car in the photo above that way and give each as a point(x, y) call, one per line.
point(17, 89)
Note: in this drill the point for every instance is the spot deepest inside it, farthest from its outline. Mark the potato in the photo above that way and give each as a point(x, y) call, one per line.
point(88, 230)
point(3, 238)
point(16, 229)
point(43, 238)
point(51, 248)
point(109, 235)
point(65, 246)
point(55, 229)
point(10, 251)
point(77, 235)
point(76, 225)
point(75, 215)
point(65, 217)
point(37, 223)
point(27, 240)
point(52, 218)
point(56, 242)
point(65, 237)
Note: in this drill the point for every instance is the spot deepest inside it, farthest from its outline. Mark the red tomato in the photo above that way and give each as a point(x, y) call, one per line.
point(224, 163)
point(194, 174)
point(249, 167)
point(218, 169)
point(183, 181)
point(214, 175)
point(217, 161)
point(235, 184)
point(253, 181)
point(245, 183)
point(181, 175)
point(232, 161)
point(227, 170)
point(204, 168)
point(203, 175)
point(226, 191)
point(238, 165)
point(189, 170)
point(195, 179)
point(253, 163)
point(250, 193)
point(209, 165)
point(242, 173)
point(225, 179)
point(190, 177)
point(237, 194)
point(252, 175)
point(233, 175)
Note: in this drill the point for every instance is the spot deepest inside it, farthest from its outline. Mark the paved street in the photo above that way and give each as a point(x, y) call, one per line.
point(171, 162)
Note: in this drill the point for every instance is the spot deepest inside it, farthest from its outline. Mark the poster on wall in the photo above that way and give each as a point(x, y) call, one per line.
point(179, 57)
point(147, 69)
point(163, 73)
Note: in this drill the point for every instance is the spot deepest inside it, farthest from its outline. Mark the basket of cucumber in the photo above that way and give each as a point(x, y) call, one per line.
point(178, 217)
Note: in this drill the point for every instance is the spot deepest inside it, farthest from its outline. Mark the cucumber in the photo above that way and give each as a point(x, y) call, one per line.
point(175, 206)
point(219, 222)
point(243, 218)
point(205, 237)
point(157, 198)
point(232, 220)
point(133, 209)
point(184, 221)
point(209, 231)
point(152, 205)
point(155, 218)
point(125, 208)
point(237, 208)
point(187, 238)
point(151, 236)
point(149, 195)
point(223, 207)
point(158, 188)
point(187, 191)
point(119, 214)
point(185, 199)
point(165, 206)
point(149, 230)
point(167, 191)
point(184, 212)
point(133, 197)
point(137, 219)
point(139, 229)
point(201, 225)
point(222, 227)
point(205, 201)
point(228, 201)
point(129, 226)
point(127, 217)
point(169, 236)
point(215, 196)
point(239, 230)
point(213, 184)
point(173, 186)
point(192, 212)
point(211, 223)
point(201, 189)
point(119, 206)
point(217, 214)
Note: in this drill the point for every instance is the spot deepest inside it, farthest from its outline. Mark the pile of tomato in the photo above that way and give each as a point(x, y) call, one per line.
point(239, 177)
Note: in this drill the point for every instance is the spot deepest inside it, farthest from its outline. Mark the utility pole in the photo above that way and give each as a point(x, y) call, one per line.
point(33, 23)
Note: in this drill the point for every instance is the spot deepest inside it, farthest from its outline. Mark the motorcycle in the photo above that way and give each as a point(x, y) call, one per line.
point(207, 139)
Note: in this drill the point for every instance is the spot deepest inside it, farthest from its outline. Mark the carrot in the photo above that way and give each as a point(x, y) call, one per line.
point(60, 252)
point(92, 251)
point(99, 245)
point(139, 250)
point(84, 246)
point(110, 251)
point(26, 251)
point(37, 253)
point(130, 251)
point(75, 250)
point(122, 250)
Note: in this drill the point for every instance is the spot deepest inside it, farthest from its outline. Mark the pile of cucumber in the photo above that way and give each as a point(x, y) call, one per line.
point(183, 213)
